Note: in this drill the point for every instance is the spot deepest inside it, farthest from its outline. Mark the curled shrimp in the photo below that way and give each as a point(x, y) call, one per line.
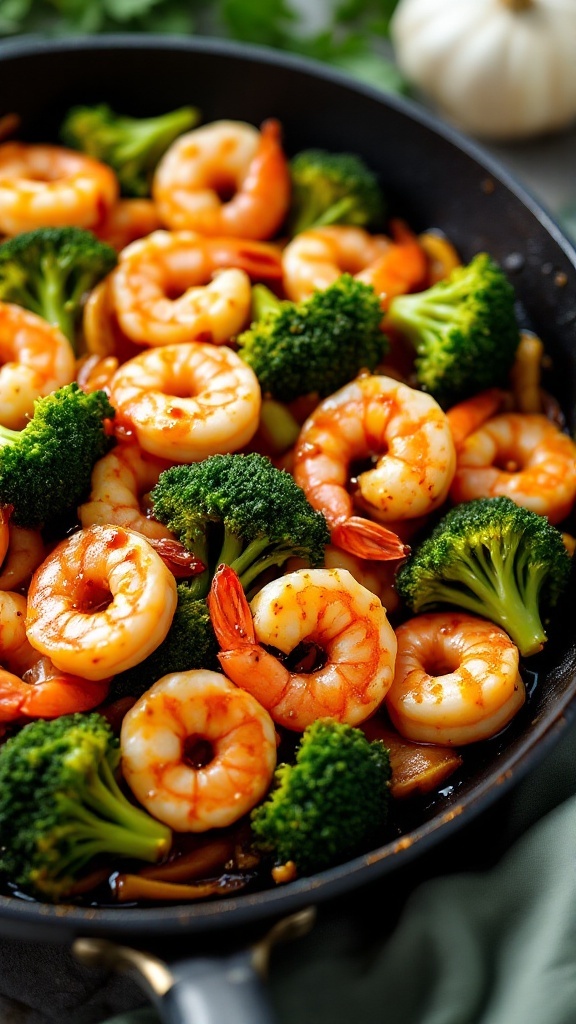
point(202, 168)
point(30, 686)
point(35, 359)
point(188, 401)
point(522, 456)
point(456, 679)
point(178, 286)
point(119, 482)
point(51, 186)
point(100, 603)
point(407, 433)
point(336, 648)
point(314, 259)
point(25, 550)
point(197, 751)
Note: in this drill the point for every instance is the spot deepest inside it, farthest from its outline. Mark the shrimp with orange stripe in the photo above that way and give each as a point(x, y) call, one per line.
point(225, 178)
point(407, 434)
point(175, 286)
point(335, 649)
point(30, 685)
point(36, 359)
point(523, 456)
point(456, 679)
point(51, 186)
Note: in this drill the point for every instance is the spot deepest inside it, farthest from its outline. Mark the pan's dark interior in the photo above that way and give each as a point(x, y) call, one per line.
point(433, 178)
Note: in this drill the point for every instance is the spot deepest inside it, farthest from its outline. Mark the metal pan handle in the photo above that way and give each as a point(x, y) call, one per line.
point(205, 990)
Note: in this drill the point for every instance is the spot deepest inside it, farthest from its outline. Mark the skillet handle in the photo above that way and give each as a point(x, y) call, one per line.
point(227, 989)
point(218, 990)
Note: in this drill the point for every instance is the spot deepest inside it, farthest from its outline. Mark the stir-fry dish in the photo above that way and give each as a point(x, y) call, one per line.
point(285, 509)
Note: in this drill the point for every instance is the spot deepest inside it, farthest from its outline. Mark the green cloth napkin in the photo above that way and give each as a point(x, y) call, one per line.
point(482, 931)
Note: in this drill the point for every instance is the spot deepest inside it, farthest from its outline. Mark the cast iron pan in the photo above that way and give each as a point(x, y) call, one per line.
point(433, 177)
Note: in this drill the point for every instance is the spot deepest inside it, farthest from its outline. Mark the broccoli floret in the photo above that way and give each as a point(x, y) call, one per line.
point(495, 559)
point(332, 801)
point(50, 270)
point(60, 805)
point(132, 146)
point(46, 468)
point(333, 188)
point(239, 510)
point(190, 643)
point(316, 345)
point(463, 329)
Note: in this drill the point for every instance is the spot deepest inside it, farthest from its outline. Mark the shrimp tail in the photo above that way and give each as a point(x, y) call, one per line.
point(230, 611)
point(366, 539)
point(467, 416)
point(402, 268)
point(181, 562)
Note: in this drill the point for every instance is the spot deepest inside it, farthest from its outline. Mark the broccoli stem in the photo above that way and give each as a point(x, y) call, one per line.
point(264, 301)
point(91, 836)
point(333, 215)
point(494, 593)
point(56, 307)
point(231, 548)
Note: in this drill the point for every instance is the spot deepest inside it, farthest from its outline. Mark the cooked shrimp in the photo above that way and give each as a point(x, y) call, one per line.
point(30, 686)
point(314, 259)
point(128, 220)
point(467, 416)
point(100, 603)
point(403, 268)
point(185, 402)
point(375, 417)
point(178, 286)
point(44, 692)
point(197, 751)
point(378, 577)
point(25, 551)
point(119, 482)
point(35, 359)
point(526, 458)
point(195, 178)
point(456, 679)
point(336, 648)
point(50, 186)
point(101, 331)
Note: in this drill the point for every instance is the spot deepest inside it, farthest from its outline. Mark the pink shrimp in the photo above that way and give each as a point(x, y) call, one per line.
point(207, 163)
point(50, 186)
point(375, 416)
point(336, 648)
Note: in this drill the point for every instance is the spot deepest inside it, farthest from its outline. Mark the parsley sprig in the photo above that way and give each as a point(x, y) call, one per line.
point(353, 36)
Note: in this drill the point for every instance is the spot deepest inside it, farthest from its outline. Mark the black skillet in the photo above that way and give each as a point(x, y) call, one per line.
point(434, 178)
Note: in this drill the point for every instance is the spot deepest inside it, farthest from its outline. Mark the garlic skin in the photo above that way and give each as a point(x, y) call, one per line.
point(499, 69)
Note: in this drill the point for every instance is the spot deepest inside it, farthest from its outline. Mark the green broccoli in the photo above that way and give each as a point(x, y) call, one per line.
point(316, 345)
point(46, 468)
point(60, 805)
point(190, 643)
point(495, 559)
point(463, 329)
point(50, 270)
point(333, 188)
point(329, 803)
point(239, 510)
point(132, 146)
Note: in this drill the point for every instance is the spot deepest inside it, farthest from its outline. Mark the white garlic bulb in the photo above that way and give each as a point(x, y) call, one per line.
point(501, 69)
